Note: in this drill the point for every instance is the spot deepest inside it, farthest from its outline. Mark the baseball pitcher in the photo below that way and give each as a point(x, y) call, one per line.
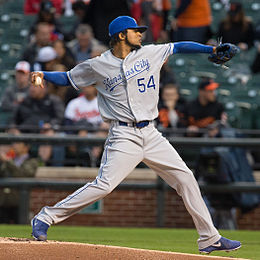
point(127, 80)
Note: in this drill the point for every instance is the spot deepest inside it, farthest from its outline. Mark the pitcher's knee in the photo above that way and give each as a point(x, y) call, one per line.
point(106, 188)
point(187, 179)
point(186, 183)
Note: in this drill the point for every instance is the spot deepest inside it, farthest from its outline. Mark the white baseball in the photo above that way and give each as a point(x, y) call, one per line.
point(38, 81)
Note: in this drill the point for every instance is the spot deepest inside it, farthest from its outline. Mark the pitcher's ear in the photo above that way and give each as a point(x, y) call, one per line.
point(122, 35)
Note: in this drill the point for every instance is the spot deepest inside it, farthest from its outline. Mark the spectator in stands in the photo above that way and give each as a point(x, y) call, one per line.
point(237, 28)
point(257, 31)
point(79, 155)
point(84, 107)
point(80, 10)
point(47, 15)
point(82, 155)
point(170, 107)
point(255, 67)
point(42, 39)
point(19, 164)
point(101, 12)
point(224, 165)
point(16, 93)
point(192, 21)
point(165, 21)
point(204, 110)
point(64, 55)
point(41, 112)
point(83, 113)
point(155, 15)
point(82, 46)
point(32, 7)
point(65, 94)
point(7, 149)
point(39, 108)
point(142, 11)
point(46, 59)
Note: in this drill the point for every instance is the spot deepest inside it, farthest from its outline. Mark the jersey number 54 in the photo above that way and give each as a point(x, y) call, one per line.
point(143, 87)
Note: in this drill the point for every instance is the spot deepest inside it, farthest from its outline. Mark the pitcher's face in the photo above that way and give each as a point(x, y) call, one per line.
point(134, 38)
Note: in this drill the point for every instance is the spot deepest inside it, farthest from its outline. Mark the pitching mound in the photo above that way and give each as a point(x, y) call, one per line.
point(24, 249)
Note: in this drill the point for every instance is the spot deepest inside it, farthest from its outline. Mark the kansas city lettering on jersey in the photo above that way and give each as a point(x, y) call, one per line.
point(137, 68)
point(112, 83)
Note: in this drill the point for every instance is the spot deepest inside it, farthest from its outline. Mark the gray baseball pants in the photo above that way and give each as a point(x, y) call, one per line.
point(125, 148)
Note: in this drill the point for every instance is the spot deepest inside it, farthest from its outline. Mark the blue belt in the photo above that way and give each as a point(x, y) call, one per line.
point(134, 124)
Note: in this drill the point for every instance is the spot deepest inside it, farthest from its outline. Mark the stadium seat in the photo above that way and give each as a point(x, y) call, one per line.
point(223, 95)
point(5, 118)
point(5, 18)
point(28, 20)
point(13, 6)
point(246, 115)
point(67, 22)
point(233, 113)
point(254, 82)
point(256, 118)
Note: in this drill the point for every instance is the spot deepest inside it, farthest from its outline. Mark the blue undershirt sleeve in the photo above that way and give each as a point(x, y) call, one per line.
point(57, 78)
point(191, 47)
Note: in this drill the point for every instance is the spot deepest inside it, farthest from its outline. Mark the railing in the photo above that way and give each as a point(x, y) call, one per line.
point(25, 185)
point(167, 131)
point(175, 141)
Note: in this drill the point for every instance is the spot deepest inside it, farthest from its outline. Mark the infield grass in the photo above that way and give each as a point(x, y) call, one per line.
point(175, 240)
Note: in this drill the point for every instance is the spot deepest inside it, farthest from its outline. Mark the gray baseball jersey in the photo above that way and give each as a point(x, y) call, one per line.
point(128, 89)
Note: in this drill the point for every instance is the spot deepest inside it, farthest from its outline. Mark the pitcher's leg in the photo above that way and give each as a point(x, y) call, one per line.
point(187, 187)
point(119, 159)
point(162, 157)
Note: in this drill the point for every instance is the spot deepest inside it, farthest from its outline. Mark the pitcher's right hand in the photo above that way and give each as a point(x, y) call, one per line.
point(37, 79)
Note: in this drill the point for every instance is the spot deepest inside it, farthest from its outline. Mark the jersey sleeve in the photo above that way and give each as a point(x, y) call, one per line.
point(82, 75)
point(160, 52)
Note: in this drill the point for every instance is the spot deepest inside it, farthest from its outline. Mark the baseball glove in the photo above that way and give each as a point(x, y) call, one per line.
point(224, 52)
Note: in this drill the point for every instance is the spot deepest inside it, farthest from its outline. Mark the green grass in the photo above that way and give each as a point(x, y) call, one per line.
point(176, 240)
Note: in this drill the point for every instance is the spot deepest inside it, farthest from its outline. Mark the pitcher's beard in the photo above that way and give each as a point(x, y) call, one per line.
point(134, 47)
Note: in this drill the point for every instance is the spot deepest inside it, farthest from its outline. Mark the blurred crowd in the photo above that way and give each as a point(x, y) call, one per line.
point(63, 110)
point(56, 110)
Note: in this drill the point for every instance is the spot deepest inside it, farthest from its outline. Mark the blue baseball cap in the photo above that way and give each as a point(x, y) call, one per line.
point(122, 23)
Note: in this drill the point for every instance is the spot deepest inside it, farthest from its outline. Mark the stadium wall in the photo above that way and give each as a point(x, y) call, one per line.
point(134, 208)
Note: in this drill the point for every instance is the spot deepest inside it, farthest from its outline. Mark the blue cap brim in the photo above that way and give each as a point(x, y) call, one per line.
point(140, 28)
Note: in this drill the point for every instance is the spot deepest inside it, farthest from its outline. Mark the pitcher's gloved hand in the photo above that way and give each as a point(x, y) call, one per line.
point(223, 53)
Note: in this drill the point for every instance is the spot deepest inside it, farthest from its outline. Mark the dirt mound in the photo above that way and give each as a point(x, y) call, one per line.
point(24, 249)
